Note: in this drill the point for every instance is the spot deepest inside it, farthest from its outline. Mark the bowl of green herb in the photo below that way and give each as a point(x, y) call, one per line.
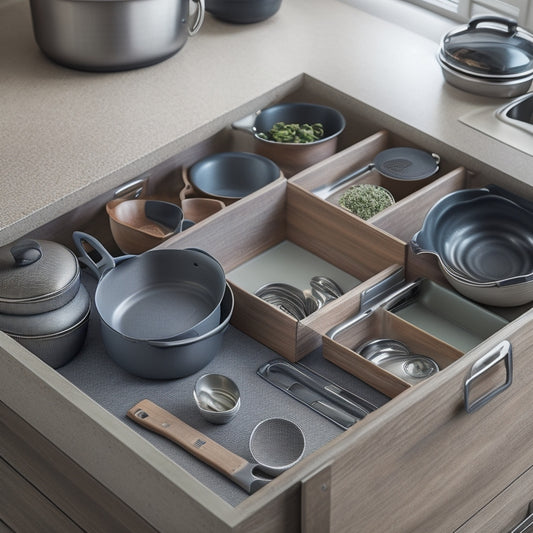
point(366, 200)
point(294, 135)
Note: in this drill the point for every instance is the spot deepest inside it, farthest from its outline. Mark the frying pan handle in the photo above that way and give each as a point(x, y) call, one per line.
point(156, 419)
point(106, 262)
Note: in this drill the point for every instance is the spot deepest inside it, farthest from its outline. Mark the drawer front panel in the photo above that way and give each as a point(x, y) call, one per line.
point(426, 464)
point(509, 509)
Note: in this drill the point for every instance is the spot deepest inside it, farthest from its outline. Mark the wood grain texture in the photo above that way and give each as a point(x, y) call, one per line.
point(506, 511)
point(430, 464)
point(67, 486)
point(25, 509)
point(316, 502)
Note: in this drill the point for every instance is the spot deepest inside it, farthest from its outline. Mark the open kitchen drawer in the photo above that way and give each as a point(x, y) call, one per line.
point(420, 462)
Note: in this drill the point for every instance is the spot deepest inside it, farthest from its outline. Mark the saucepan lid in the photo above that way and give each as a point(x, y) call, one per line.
point(489, 46)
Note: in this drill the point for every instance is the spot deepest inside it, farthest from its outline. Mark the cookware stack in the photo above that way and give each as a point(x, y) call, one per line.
point(163, 313)
point(43, 304)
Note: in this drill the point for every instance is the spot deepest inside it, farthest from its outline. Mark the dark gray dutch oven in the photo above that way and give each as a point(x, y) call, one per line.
point(42, 303)
point(159, 311)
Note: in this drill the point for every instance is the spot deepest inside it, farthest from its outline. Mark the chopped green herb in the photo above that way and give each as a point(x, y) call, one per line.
point(366, 200)
point(294, 133)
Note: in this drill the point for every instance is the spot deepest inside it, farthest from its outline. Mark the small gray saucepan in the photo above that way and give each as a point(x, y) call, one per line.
point(158, 310)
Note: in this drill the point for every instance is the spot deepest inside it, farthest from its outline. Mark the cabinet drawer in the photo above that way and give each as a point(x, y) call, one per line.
point(509, 509)
point(425, 463)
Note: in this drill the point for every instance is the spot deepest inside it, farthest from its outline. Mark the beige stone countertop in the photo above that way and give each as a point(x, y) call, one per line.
point(67, 136)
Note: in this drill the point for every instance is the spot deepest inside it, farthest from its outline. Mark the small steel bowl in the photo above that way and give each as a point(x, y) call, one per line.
point(217, 397)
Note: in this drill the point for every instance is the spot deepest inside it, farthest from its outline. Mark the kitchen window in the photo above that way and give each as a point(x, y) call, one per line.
point(462, 10)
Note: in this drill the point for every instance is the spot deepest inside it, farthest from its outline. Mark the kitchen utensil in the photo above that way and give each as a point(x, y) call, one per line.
point(376, 347)
point(42, 302)
point(217, 398)
point(293, 157)
point(160, 312)
point(300, 303)
point(158, 295)
point(276, 444)
point(139, 225)
point(242, 11)
point(412, 368)
point(482, 239)
point(112, 35)
point(246, 475)
point(54, 336)
point(400, 163)
point(198, 209)
point(490, 55)
point(229, 176)
point(36, 276)
point(320, 394)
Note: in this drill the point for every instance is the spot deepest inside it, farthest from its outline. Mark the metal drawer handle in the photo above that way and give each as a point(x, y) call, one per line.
point(501, 352)
point(527, 524)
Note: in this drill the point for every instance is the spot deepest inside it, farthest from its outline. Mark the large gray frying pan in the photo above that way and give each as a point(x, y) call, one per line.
point(401, 163)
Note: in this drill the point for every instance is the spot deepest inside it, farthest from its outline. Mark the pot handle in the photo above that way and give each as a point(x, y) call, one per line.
point(100, 267)
point(510, 23)
point(246, 124)
point(199, 20)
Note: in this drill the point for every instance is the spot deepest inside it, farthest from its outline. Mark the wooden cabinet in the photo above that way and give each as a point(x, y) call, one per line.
point(420, 462)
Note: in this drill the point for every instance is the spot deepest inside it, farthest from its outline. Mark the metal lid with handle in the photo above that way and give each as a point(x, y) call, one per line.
point(37, 276)
point(489, 46)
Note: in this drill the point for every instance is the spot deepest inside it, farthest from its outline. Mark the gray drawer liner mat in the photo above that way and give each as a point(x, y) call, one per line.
point(93, 372)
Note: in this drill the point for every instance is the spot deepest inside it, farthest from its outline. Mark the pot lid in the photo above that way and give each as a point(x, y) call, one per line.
point(32, 270)
point(489, 47)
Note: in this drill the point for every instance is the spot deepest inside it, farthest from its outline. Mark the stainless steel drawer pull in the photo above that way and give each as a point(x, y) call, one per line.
point(132, 189)
point(501, 352)
point(526, 526)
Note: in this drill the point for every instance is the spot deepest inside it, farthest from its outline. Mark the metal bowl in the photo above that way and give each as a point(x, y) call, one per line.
point(293, 157)
point(483, 240)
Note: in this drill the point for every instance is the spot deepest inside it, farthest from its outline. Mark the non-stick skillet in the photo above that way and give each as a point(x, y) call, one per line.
point(401, 163)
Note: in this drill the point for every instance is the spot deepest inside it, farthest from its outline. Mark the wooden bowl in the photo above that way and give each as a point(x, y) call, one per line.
point(198, 209)
point(132, 230)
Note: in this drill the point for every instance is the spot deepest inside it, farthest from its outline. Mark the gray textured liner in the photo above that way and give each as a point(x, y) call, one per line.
point(98, 376)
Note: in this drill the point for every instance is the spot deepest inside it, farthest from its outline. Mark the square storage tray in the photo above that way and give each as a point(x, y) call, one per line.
point(435, 322)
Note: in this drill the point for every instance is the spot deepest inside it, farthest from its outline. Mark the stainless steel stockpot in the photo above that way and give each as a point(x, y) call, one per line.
point(112, 35)
point(491, 56)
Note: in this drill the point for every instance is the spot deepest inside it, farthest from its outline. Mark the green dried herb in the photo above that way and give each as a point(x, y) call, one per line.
point(293, 133)
point(366, 200)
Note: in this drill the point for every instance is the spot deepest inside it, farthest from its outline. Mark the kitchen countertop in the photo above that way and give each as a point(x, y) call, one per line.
point(68, 136)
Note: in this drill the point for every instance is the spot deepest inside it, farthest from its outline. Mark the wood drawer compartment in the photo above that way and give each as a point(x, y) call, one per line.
point(280, 214)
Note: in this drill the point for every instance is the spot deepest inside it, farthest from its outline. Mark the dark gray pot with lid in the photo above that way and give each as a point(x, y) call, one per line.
point(42, 302)
point(36, 277)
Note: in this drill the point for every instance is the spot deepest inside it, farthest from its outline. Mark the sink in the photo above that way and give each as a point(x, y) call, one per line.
point(518, 113)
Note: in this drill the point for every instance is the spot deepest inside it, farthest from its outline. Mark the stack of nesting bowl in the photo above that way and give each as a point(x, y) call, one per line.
point(43, 304)
point(483, 240)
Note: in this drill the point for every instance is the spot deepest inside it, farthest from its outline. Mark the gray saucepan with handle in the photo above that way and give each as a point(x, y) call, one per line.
point(156, 309)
